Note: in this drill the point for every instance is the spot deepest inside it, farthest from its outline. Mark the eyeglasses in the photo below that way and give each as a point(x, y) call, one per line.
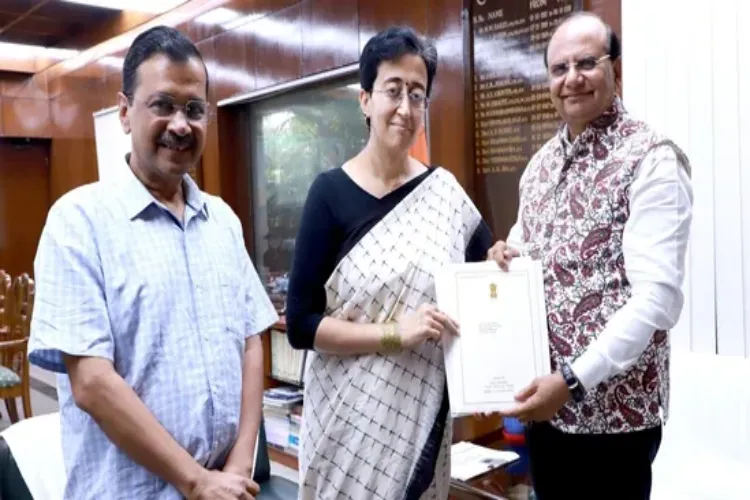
point(581, 66)
point(395, 93)
point(196, 110)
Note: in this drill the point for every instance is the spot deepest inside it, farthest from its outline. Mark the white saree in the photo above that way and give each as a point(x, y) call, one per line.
point(372, 424)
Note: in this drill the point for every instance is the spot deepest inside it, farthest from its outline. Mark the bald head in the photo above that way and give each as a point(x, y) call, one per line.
point(586, 24)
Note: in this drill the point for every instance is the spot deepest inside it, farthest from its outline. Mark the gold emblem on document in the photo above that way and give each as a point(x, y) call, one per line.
point(493, 291)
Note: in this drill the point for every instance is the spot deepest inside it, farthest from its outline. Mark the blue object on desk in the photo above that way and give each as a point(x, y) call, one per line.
point(513, 425)
point(515, 434)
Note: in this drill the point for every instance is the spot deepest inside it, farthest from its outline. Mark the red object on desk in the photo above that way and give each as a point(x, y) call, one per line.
point(514, 439)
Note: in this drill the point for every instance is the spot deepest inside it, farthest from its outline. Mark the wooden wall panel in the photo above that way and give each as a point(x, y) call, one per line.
point(444, 18)
point(198, 31)
point(446, 112)
point(54, 85)
point(609, 10)
point(26, 66)
point(232, 70)
point(97, 33)
point(376, 16)
point(330, 34)
point(112, 86)
point(278, 47)
point(72, 164)
point(24, 201)
point(255, 9)
point(93, 99)
point(68, 113)
point(234, 146)
point(24, 117)
point(113, 62)
point(20, 85)
point(211, 163)
point(62, 113)
point(73, 150)
point(208, 173)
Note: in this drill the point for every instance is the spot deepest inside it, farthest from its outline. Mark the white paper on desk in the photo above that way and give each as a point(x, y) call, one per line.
point(469, 460)
point(503, 343)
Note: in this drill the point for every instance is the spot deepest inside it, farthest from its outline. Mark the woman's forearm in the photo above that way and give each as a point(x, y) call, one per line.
point(335, 336)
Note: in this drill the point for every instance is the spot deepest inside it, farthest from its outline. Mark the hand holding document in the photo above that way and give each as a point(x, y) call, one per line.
point(503, 343)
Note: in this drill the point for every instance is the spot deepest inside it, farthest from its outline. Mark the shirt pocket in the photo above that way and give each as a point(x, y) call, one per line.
point(232, 297)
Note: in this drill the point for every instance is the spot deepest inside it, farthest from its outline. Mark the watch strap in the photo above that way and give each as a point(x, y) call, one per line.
point(574, 385)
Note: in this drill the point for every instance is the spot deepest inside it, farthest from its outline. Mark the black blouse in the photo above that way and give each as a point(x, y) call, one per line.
point(337, 214)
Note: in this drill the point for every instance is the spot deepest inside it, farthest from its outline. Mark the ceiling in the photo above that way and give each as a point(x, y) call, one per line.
point(49, 23)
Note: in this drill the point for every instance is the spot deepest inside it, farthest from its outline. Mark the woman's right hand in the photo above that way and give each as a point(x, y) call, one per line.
point(425, 323)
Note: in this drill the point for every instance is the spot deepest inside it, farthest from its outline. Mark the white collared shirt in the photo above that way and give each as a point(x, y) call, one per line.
point(170, 303)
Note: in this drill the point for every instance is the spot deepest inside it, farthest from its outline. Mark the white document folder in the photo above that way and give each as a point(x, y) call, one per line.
point(503, 343)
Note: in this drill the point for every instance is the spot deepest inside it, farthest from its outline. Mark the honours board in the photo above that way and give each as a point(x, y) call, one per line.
point(510, 104)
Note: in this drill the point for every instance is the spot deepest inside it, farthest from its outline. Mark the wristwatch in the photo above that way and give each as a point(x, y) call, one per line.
point(574, 385)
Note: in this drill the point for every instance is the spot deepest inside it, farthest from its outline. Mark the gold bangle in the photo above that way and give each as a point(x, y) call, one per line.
point(391, 339)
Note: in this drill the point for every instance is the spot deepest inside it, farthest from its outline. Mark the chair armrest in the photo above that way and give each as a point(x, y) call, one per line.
point(14, 345)
point(13, 354)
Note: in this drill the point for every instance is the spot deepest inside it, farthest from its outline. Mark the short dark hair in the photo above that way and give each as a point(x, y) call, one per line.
point(389, 45)
point(614, 49)
point(157, 40)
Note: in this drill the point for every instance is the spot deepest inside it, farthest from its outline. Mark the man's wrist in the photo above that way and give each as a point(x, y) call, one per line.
point(577, 391)
point(240, 460)
point(190, 479)
point(244, 469)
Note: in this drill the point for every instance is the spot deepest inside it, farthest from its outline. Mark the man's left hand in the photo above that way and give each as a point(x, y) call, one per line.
point(541, 400)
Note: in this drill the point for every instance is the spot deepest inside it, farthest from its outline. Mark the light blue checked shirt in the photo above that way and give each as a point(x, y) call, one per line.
point(171, 304)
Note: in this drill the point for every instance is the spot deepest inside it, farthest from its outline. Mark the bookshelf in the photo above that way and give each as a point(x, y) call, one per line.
point(274, 342)
point(272, 379)
point(283, 458)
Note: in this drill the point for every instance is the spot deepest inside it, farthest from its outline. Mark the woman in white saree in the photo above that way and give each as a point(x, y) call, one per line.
point(361, 296)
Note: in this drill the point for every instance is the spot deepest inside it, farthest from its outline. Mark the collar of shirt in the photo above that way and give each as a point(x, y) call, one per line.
point(137, 198)
point(565, 138)
point(599, 124)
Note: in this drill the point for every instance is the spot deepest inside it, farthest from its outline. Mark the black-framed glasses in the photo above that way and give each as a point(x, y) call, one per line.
point(395, 93)
point(582, 65)
point(195, 110)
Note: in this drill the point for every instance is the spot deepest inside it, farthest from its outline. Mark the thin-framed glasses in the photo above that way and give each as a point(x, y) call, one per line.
point(582, 65)
point(417, 97)
point(195, 110)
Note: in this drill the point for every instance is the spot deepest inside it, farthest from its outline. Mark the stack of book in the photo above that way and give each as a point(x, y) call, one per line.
point(282, 413)
point(287, 363)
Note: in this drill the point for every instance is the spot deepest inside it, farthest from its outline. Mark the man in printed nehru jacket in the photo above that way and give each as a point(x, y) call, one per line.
point(606, 205)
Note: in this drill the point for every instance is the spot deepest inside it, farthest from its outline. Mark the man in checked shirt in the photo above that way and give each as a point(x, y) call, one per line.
point(148, 305)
